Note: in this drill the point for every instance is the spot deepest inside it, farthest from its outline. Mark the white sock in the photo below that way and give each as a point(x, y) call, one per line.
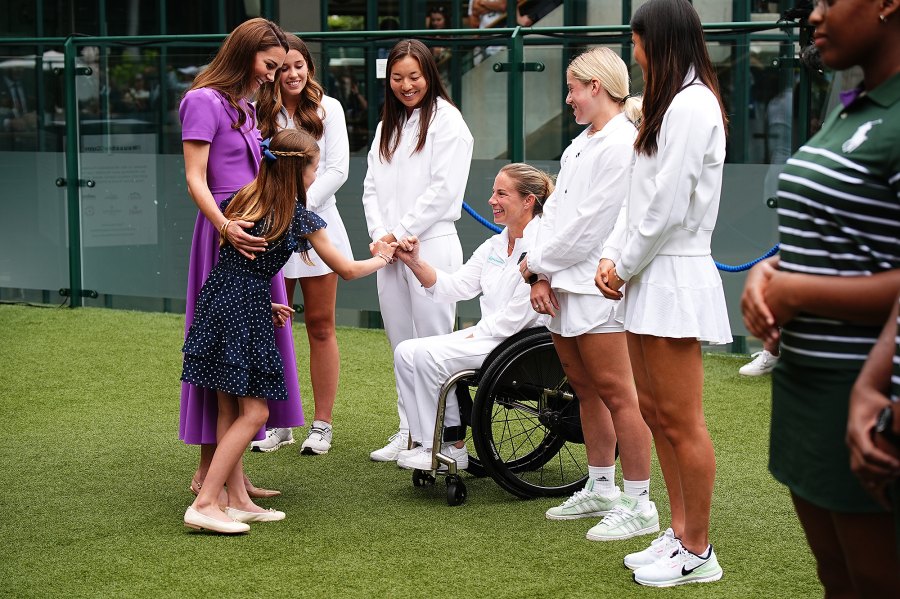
point(639, 490)
point(604, 479)
point(321, 424)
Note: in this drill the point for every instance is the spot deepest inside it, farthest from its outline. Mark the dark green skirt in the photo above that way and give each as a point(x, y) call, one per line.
point(807, 448)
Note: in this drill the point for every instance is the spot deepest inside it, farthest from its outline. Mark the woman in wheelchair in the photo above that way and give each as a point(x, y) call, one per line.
point(587, 329)
point(422, 365)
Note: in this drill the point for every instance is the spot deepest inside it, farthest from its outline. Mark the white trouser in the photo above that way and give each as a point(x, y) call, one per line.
point(423, 365)
point(408, 313)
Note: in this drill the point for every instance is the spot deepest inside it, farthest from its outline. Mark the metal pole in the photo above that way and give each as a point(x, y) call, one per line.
point(72, 176)
point(371, 80)
point(516, 98)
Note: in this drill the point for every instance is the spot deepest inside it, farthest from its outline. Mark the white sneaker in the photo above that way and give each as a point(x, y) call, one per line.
point(624, 521)
point(585, 503)
point(408, 453)
point(663, 545)
point(396, 443)
point(763, 363)
point(421, 459)
point(681, 567)
point(275, 438)
point(318, 442)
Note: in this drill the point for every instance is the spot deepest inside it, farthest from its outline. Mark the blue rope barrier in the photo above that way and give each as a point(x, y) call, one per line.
point(747, 265)
point(719, 265)
point(481, 219)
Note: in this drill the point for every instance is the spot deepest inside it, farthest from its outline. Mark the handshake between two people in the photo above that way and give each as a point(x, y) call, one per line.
point(405, 249)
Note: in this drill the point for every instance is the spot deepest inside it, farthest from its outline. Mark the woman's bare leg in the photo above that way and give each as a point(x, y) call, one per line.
point(596, 422)
point(319, 297)
point(674, 371)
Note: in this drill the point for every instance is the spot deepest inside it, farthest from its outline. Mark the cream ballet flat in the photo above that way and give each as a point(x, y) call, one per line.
point(269, 515)
point(196, 520)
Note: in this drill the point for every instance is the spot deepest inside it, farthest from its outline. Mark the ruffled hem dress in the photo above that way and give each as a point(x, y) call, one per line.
point(231, 343)
point(678, 297)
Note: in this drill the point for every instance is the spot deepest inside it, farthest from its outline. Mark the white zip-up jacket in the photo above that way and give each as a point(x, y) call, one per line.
point(419, 193)
point(505, 297)
point(673, 200)
point(580, 213)
point(334, 155)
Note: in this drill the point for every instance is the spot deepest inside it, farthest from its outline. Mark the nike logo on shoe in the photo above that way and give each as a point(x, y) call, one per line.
point(685, 571)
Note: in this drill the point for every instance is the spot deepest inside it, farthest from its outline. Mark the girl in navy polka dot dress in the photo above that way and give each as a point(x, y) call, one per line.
point(230, 346)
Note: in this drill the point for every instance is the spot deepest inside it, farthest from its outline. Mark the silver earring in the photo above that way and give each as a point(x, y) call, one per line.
point(882, 18)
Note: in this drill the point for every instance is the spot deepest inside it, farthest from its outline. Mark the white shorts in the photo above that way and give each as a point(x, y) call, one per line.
point(580, 314)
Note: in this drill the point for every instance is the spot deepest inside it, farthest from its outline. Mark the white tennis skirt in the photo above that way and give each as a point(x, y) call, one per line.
point(337, 233)
point(678, 297)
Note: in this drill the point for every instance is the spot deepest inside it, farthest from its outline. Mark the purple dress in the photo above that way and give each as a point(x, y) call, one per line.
point(233, 162)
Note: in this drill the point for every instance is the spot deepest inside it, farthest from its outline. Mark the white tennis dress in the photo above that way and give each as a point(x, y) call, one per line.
point(334, 166)
point(661, 241)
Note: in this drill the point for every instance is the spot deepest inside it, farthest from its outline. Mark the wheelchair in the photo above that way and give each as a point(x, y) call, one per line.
point(524, 422)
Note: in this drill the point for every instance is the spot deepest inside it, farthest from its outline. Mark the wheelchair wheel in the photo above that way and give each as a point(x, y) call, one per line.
point(526, 424)
point(456, 490)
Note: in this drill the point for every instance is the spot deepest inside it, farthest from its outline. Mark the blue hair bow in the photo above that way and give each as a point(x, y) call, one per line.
point(267, 154)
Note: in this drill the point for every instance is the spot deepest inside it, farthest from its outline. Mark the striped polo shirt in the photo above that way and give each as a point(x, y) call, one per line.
point(895, 371)
point(839, 216)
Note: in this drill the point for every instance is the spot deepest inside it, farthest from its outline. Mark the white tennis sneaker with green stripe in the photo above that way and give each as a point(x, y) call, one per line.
point(682, 567)
point(585, 503)
point(624, 521)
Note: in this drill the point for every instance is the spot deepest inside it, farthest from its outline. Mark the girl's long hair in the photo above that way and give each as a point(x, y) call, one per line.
point(231, 70)
point(529, 180)
point(673, 43)
point(272, 196)
point(394, 114)
point(609, 69)
point(269, 102)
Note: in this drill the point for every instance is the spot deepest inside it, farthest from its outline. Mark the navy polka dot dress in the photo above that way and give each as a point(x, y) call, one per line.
point(231, 343)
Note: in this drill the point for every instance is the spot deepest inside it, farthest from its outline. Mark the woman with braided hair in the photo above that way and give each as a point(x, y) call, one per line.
point(230, 347)
point(221, 155)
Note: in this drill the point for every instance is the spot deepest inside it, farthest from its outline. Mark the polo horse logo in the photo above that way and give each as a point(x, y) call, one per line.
point(858, 137)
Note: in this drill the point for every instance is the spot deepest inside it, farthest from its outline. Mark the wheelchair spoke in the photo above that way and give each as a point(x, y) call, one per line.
point(508, 436)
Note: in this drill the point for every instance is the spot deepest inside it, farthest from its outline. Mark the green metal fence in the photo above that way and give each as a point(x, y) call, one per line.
point(105, 109)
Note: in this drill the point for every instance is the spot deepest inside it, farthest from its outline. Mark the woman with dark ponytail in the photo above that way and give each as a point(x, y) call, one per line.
point(674, 298)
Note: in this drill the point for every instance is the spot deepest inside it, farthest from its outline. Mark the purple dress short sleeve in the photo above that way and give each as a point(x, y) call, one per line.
point(233, 162)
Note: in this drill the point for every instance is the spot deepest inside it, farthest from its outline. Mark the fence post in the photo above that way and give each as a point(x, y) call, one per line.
point(72, 176)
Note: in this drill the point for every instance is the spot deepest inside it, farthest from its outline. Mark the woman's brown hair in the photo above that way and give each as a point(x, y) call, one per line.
point(306, 117)
point(529, 180)
point(394, 114)
point(673, 43)
point(230, 71)
point(272, 196)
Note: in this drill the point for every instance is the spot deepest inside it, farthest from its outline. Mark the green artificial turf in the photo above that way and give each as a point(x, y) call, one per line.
point(94, 483)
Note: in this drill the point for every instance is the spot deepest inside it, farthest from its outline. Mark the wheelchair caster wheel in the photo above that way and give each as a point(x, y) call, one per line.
point(421, 478)
point(456, 490)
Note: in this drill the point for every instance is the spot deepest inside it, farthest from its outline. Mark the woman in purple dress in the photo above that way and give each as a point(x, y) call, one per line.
point(221, 155)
